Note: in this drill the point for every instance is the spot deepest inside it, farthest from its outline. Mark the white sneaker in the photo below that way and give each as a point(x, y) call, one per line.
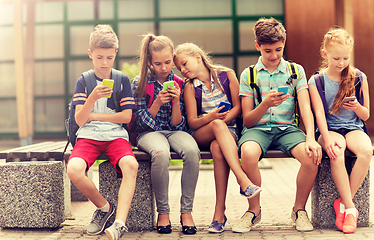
point(115, 231)
point(246, 222)
point(302, 222)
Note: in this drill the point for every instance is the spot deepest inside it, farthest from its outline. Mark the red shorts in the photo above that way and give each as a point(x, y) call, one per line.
point(89, 150)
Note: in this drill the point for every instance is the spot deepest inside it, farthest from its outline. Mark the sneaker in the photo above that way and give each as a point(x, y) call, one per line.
point(246, 222)
point(251, 191)
point(350, 221)
point(217, 227)
point(99, 220)
point(339, 213)
point(300, 217)
point(116, 231)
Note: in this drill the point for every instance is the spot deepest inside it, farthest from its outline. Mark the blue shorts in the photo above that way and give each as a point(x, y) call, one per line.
point(341, 131)
point(282, 138)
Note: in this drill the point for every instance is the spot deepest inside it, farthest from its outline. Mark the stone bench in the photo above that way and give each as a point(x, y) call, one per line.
point(142, 211)
point(32, 194)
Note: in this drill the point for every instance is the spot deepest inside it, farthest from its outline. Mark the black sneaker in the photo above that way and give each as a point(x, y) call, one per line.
point(99, 220)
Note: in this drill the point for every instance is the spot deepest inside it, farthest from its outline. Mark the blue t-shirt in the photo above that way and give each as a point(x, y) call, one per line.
point(98, 130)
point(344, 119)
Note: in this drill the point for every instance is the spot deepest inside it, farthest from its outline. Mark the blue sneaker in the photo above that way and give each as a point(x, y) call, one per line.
point(217, 227)
point(251, 191)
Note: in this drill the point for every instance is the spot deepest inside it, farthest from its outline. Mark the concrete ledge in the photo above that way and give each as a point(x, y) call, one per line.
point(324, 193)
point(142, 210)
point(32, 195)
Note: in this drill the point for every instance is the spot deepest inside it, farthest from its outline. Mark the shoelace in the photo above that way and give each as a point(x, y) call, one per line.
point(98, 216)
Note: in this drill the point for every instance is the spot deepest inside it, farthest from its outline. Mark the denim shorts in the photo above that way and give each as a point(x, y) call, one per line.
point(283, 138)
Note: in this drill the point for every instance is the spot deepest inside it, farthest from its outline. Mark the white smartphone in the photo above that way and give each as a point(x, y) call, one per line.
point(348, 99)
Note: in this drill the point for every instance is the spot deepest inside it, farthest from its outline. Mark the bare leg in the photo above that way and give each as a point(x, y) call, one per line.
point(129, 168)
point(250, 154)
point(305, 177)
point(221, 176)
point(76, 172)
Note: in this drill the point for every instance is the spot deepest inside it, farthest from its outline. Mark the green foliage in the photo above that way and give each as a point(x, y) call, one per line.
point(131, 70)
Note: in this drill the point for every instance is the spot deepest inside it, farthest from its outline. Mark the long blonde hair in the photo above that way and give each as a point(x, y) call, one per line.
point(192, 49)
point(150, 44)
point(346, 85)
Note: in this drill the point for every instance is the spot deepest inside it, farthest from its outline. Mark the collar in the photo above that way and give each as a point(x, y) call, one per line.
point(153, 79)
point(282, 67)
point(197, 82)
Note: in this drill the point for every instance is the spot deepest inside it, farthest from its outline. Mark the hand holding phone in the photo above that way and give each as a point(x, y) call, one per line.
point(348, 99)
point(168, 84)
point(283, 89)
point(227, 106)
point(109, 83)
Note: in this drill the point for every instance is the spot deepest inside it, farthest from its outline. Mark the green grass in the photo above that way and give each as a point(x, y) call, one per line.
point(173, 162)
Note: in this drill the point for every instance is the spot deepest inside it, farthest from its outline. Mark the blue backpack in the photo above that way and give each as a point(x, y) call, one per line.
point(225, 83)
point(90, 80)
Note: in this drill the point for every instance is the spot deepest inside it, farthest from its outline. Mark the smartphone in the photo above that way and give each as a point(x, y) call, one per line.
point(348, 99)
point(109, 83)
point(283, 89)
point(227, 106)
point(167, 84)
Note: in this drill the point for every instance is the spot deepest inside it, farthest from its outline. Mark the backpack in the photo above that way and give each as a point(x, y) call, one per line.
point(294, 74)
point(90, 80)
point(225, 83)
point(149, 94)
point(320, 84)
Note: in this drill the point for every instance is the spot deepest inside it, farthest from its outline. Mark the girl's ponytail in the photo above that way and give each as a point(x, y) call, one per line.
point(144, 64)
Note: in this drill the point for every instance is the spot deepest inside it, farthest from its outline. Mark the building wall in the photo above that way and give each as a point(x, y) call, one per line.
point(306, 24)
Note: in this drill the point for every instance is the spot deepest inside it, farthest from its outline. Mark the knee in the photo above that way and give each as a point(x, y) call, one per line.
point(128, 164)
point(250, 156)
point(74, 170)
point(365, 155)
point(218, 124)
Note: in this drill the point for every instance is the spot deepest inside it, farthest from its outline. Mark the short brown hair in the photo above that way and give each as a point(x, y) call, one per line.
point(103, 37)
point(269, 31)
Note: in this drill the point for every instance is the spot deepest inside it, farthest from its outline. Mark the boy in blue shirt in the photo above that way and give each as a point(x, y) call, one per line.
point(271, 123)
point(101, 131)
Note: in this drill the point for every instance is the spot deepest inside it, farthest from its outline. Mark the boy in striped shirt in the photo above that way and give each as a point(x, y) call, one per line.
point(271, 123)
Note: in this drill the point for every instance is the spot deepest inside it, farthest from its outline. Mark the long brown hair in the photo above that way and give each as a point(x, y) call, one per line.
point(346, 85)
point(192, 49)
point(150, 44)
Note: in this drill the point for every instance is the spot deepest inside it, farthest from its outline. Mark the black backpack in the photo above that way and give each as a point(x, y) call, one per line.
point(90, 80)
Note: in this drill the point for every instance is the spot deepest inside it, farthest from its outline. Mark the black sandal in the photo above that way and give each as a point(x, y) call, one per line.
point(164, 229)
point(188, 229)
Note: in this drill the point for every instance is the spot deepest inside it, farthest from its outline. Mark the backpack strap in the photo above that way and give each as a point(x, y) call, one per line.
point(117, 77)
point(320, 84)
point(225, 83)
point(252, 73)
point(90, 80)
point(149, 92)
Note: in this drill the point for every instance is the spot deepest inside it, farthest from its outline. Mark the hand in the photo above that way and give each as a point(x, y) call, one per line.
point(274, 99)
point(330, 148)
point(163, 97)
point(100, 91)
point(215, 114)
point(313, 149)
point(175, 92)
point(351, 105)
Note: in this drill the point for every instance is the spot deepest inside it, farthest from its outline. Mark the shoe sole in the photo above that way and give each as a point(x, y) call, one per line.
point(214, 231)
point(109, 234)
point(96, 233)
point(254, 194)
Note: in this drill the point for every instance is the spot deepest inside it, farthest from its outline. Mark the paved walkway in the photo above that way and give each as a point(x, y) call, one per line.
point(277, 200)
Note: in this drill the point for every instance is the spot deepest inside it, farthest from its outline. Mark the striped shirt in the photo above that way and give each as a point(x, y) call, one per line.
point(98, 130)
point(284, 114)
point(162, 121)
point(211, 100)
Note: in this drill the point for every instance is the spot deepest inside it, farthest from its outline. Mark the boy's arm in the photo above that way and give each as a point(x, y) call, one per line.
point(312, 147)
point(83, 112)
point(251, 115)
point(119, 117)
